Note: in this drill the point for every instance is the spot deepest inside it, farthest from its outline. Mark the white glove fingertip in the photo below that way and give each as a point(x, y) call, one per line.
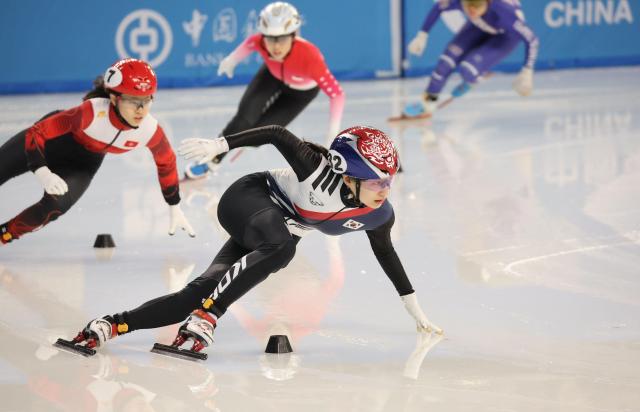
point(195, 143)
point(197, 154)
point(186, 147)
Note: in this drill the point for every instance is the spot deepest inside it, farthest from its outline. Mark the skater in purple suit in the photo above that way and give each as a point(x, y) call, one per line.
point(494, 28)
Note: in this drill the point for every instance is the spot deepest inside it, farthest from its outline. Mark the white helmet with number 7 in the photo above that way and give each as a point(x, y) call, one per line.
point(278, 19)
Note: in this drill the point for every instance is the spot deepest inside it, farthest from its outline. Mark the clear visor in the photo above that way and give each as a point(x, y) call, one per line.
point(277, 39)
point(377, 184)
point(136, 102)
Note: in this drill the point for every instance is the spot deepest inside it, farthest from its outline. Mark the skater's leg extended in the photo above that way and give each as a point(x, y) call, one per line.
point(259, 95)
point(465, 40)
point(175, 307)
point(162, 311)
point(257, 224)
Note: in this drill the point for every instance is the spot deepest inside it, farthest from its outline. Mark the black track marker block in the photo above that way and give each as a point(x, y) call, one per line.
point(278, 344)
point(104, 240)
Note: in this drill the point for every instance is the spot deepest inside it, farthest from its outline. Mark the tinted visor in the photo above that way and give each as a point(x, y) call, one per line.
point(377, 184)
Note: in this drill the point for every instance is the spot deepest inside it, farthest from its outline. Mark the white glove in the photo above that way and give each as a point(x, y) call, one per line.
point(177, 219)
point(226, 66)
point(419, 43)
point(204, 150)
point(523, 84)
point(52, 183)
point(413, 307)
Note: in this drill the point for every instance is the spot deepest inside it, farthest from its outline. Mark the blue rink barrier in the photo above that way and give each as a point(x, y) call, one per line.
point(51, 46)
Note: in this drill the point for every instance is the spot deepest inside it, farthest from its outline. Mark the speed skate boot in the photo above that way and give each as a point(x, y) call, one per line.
point(422, 109)
point(5, 235)
point(199, 328)
point(419, 110)
point(461, 89)
point(196, 171)
point(96, 333)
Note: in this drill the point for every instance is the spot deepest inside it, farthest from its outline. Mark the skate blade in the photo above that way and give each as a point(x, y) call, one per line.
point(172, 351)
point(404, 117)
point(74, 348)
point(187, 179)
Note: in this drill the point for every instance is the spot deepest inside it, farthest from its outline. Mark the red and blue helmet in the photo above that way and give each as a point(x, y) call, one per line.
point(364, 153)
point(131, 76)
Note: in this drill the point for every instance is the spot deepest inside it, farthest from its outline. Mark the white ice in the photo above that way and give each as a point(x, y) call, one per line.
point(517, 219)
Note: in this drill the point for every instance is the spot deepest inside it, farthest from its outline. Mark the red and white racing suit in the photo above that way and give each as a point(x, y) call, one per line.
point(72, 143)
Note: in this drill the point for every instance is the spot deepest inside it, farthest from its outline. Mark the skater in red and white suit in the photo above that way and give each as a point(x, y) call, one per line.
point(293, 73)
point(65, 149)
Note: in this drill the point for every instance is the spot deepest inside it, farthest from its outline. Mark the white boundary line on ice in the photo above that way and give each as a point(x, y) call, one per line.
point(509, 268)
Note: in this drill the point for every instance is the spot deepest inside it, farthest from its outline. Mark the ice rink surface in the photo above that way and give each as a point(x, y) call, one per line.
point(517, 220)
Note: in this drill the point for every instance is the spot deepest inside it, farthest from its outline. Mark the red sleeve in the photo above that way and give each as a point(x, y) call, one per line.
point(321, 74)
point(54, 126)
point(248, 46)
point(165, 160)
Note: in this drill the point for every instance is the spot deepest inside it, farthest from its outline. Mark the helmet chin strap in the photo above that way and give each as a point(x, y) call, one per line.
point(357, 199)
point(354, 195)
point(121, 118)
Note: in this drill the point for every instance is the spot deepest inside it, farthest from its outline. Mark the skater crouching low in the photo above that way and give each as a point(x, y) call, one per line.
point(334, 191)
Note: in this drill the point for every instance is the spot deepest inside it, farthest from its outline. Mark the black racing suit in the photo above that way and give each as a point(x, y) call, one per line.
point(260, 242)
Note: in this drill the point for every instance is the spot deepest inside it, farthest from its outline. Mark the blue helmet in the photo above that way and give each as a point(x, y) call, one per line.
point(363, 153)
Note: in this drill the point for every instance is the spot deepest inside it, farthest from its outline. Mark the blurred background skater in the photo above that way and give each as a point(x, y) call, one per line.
point(293, 72)
point(65, 148)
point(492, 31)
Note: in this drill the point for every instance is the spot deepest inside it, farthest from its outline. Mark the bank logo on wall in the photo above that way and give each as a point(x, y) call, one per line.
point(225, 26)
point(144, 34)
point(194, 27)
